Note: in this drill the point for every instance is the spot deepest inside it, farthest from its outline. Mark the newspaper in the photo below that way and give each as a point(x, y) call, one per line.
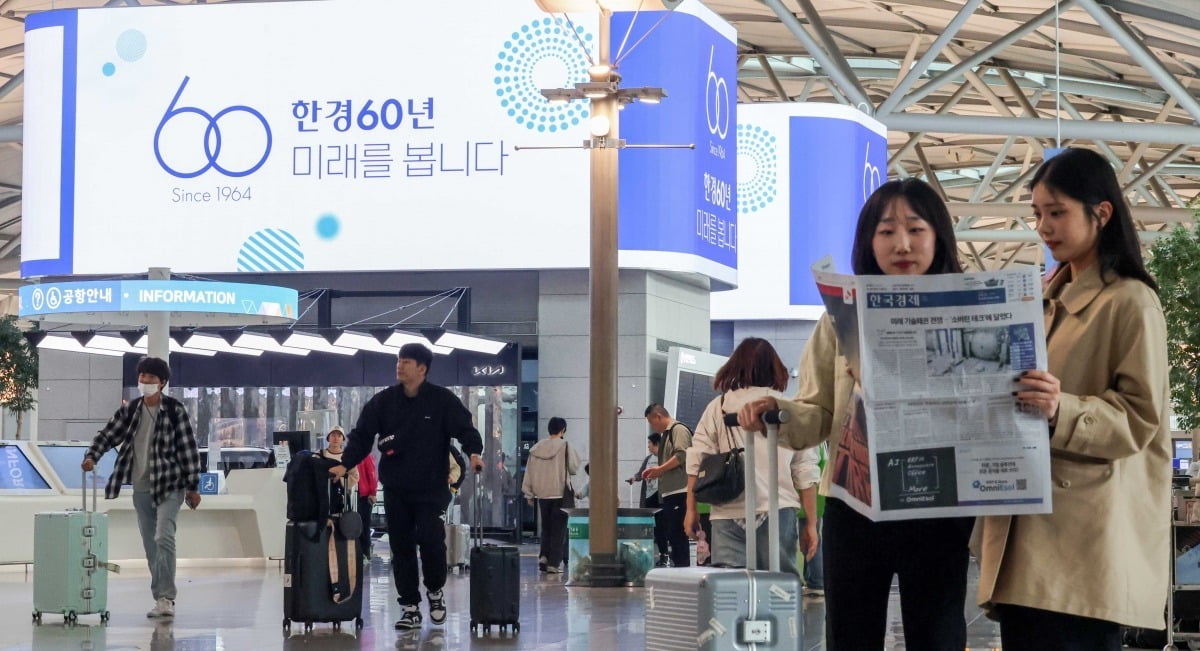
point(934, 430)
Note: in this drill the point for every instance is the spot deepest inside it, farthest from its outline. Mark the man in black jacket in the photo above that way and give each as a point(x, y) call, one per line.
point(414, 422)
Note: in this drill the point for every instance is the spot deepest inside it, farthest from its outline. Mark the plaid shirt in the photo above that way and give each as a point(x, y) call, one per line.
point(174, 459)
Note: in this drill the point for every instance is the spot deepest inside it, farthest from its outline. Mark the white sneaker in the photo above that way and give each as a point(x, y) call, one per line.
point(163, 607)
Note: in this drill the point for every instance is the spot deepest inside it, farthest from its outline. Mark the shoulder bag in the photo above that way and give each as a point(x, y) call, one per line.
point(722, 476)
point(568, 498)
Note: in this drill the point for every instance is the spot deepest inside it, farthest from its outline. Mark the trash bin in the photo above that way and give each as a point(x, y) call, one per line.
point(635, 545)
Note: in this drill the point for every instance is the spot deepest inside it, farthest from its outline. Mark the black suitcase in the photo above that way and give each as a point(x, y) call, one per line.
point(312, 591)
point(495, 584)
point(307, 587)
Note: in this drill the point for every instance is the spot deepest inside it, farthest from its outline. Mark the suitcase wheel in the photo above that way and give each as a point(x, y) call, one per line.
point(516, 628)
point(337, 626)
point(37, 616)
point(287, 625)
point(104, 617)
point(70, 616)
point(473, 626)
point(358, 623)
point(308, 627)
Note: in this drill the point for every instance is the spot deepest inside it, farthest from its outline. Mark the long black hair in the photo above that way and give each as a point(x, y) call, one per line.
point(1086, 177)
point(924, 201)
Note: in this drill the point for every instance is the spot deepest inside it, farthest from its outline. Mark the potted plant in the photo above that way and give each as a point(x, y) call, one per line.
point(18, 370)
point(1175, 262)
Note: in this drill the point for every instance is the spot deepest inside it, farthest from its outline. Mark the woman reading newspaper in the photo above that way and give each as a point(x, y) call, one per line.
point(1068, 580)
point(904, 228)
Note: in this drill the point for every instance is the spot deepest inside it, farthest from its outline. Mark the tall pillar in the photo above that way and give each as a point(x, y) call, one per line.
point(158, 324)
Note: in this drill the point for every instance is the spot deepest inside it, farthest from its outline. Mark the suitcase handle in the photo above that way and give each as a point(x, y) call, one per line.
point(83, 483)
point(772, 419)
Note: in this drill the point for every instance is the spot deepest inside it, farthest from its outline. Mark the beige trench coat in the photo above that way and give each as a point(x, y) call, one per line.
point(1104, 551)
point(824, 395)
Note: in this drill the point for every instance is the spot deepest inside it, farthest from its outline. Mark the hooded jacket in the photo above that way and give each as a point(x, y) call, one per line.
point(550, 460)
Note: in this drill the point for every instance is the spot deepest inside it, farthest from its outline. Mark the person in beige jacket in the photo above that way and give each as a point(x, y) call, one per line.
point(547, 476)
point(1068, 580)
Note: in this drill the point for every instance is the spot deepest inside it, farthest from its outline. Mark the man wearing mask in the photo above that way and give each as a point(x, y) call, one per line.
point(414, 422)
point(158, 456)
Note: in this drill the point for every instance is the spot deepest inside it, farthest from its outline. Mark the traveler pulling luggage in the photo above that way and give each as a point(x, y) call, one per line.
point(70, 561)
point(323, 567)
point(495, 581)
point(714, 609)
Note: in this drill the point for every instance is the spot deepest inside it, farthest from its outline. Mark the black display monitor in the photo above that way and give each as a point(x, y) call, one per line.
point(296, 440)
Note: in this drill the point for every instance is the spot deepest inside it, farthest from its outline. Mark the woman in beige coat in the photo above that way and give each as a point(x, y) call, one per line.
point(1068, 580)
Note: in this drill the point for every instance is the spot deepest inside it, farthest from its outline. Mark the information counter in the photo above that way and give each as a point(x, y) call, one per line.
point(245, 523)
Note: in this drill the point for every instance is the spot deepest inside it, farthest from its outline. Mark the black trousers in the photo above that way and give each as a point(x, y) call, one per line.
point(554, 531)
point(1033, 629)
point(861, 557)
point(674, 508)
point(416, 522)
point(660, 529)
point(364, 512)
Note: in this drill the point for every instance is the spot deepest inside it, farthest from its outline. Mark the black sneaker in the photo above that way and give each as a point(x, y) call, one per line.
point(663, 561)
point(542, 568)
point(410, 619)
point(437, 608)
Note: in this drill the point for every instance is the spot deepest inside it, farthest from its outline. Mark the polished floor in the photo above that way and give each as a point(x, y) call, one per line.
point(239, 608)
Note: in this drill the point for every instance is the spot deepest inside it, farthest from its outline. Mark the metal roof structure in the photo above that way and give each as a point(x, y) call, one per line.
point(972, 92)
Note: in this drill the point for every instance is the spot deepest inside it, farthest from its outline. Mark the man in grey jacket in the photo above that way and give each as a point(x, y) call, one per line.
point(672, 479)
point(550, 462)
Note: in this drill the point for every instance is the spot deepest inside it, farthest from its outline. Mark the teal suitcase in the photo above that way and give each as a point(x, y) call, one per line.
point(70, 562)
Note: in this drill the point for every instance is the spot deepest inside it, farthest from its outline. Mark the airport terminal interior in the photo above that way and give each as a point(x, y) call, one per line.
point(579, 209)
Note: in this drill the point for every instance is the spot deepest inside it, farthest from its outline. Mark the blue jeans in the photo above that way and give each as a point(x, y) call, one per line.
point(729, 543)
point(157, 526)
point(814, 573)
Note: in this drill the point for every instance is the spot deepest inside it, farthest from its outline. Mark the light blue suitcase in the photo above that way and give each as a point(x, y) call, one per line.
point(718, 609)
point(70, 562)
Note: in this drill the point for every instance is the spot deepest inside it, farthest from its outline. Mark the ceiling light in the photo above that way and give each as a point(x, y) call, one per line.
point(175, 347)
point(111, 343)
point(368, 343)
point(218, 345)
point(399, 338)
point(266, 344)
point(71, 345)
point(315, 343)
point(467, 342)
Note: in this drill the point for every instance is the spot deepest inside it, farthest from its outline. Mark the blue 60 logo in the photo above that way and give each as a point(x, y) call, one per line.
point(716, 100)
point(211, 143)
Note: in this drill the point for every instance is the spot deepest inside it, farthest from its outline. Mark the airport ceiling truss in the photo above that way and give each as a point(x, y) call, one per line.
point(972, 93)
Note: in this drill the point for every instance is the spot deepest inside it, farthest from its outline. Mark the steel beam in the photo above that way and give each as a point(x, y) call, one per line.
point(766, 66)
point(911, 76)
point(989, 209)
point(979, 57)
point(844, 78)
point(1071, 129)
point(1144, 58)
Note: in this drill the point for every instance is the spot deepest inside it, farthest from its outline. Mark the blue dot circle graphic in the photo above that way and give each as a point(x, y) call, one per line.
point(131, 45)
point(328, 226)
point(541, 42)
point(270, 249)
point(108, 69)
point(756, 148)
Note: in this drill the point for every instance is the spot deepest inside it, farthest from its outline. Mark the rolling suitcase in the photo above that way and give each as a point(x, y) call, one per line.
point(70, 562)
point(714, 609)
point(323, 574)
point(495, 583)
point(458, 546)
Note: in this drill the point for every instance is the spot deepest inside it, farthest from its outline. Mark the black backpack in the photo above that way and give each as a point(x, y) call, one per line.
point(307, 478)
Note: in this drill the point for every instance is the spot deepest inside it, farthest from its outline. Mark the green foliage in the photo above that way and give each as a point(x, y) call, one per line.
point(1175, 262)
point(18, 370)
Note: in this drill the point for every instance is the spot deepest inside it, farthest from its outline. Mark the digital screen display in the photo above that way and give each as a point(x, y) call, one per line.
point(1183, 449)
point(17, 473)
point(695, 392)
point(65, 460)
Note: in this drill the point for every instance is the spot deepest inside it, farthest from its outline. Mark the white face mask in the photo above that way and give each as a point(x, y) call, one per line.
point(148, 389)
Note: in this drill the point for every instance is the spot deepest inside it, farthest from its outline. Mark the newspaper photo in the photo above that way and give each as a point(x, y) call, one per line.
point(933, 429)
